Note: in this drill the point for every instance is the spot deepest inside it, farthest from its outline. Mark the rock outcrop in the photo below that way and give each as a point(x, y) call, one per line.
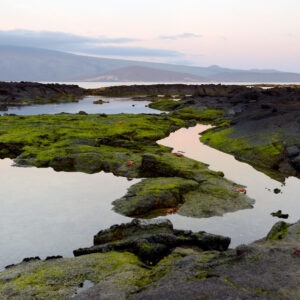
point(151, 240)
point(267, 269)
point(28, 93)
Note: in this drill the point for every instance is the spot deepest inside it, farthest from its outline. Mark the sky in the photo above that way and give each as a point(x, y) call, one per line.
point(247, 34)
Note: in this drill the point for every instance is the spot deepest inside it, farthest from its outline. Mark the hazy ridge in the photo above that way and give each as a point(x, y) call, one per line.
point(34, 64)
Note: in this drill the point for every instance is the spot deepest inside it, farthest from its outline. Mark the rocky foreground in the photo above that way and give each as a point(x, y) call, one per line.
point(186, 265)
point(146, 260)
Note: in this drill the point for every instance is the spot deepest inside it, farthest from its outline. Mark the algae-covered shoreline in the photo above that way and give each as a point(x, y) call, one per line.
point(126, 146)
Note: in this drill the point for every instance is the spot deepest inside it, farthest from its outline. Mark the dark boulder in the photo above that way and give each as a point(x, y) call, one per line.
point(151, 240)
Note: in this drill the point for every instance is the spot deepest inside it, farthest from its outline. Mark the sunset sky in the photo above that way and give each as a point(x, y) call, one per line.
point(230, 33)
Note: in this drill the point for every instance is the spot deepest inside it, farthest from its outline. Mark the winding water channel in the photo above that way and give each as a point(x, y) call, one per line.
point(243, 226)
point(44, 212)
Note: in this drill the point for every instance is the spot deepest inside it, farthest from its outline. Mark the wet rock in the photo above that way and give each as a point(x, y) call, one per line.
point(279, 214)
point(278, 231)
point(186, 273)
point(29, 259)
point(63, 163)
point(28, 93)
point(82, 113)
point(296, 163)
point(100, 101)
point(276, 191)
point(9, 277)
point(151, 240)
point(160, 196)
point(153, 193)
point(53, 257)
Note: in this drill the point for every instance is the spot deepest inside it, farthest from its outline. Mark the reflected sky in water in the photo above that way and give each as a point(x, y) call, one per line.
point(246, 225)
point(114, 106)
point(44, 212)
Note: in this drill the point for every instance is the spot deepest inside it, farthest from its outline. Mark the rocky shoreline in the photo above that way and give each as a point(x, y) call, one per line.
point(29, 93)
point(148, 259)
point(262, 125)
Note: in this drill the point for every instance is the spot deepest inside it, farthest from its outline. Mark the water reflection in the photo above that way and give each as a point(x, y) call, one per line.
point(114, 106)
point(246, 225)
point(44, 212)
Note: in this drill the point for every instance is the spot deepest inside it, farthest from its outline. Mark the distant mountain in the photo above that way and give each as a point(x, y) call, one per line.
point(34, 64)
point(145, 74)
point(251, 76)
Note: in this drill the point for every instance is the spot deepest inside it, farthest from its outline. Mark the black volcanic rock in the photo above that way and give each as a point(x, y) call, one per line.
point(151, 240)
point(27, 93)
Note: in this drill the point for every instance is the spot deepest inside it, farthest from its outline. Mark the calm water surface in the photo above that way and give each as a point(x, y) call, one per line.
point(247, 225)
point(44, 212)
point(114, 106)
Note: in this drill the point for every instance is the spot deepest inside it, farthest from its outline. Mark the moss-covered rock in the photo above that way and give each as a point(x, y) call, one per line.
point(151, 240)
point(60, 279)
point(100, 101)
point(265, 152)
point(154, 194)
point(179, 275)
point(213, 196)
point(87, 143)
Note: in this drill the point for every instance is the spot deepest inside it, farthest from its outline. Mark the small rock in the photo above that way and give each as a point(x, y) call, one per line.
point(53, 257)
point(82, 113)
point(28, 259)
point(9, 277)
point(293, 151)
point(279, 214)
point(276, 191)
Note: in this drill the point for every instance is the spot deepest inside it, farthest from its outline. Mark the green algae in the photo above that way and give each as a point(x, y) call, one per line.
point(124, 145)
point(59, 279)
point(263, 155)
point(278, 231)
point(259, 291)
point(100, 101)
point(214, 198)
point(153, 193)
point(201, 115)
point(81, 142)
point(165, 104)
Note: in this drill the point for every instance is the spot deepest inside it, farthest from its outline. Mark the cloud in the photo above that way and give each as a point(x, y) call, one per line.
point(185, 35)
point(21, 37)
point(80, 44)
point(132, 51)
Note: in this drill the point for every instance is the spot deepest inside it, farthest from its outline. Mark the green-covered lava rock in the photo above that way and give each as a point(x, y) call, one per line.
point(87, 143)
point(265, 150)
point(154, 196)
point(61, 278)
point(124, 145)
point(151, 240)
point(259, 126)
point(100, 101)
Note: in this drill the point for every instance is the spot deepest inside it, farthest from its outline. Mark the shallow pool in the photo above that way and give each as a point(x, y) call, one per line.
point(114, 106)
